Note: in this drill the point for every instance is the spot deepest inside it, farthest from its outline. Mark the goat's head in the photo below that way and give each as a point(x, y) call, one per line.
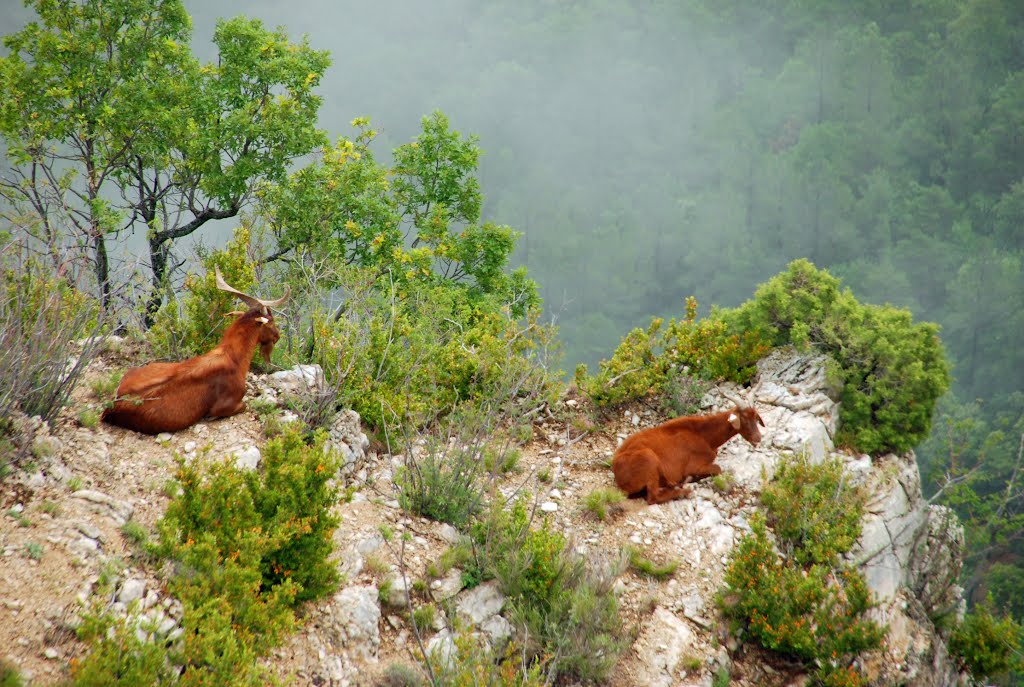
point(744, 417)
point(259, 313)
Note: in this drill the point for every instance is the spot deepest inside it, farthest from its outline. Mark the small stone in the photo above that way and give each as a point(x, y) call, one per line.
point(549, 506)
point(131, 590)
point(51, 653)
point(248, 458)
point(163, 437)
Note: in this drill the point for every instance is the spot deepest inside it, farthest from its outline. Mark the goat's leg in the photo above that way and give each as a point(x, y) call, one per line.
point(227, 409)
point(659, 491)
point(708, 470)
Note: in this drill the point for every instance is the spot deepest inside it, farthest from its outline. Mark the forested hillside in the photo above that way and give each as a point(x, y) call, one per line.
point(394, 161)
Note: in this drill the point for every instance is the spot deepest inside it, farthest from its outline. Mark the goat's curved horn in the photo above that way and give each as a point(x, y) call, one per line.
point(251, 301)
point(736, 401)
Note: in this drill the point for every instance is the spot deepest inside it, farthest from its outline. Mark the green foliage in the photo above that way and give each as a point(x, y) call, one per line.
point(33, 550)
point(599, 500)
point(135, 532)
point(985, 645)
point(803, 605)
point(193, 327)
point(88, 418)
point(398, 675)
point(423, 617)
point(660, 360)
point(407, 356)
point(813, 613)
point(645, 566)
point(567, 611)
point(116, 656)
point(814, 511)
point(892, 370)
point(9, 676)
point(256, 542)
point(473, 663)
point(444, 481)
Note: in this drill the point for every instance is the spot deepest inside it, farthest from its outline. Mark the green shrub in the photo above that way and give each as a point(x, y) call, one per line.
point(814, 613)
point(88, 418)
point(891, 370)
point(599, 500)
point(134, 532)
point(474, 663)
point(423, 617)
point(409, 353)
point(104, 387)
point(814, 512)
point(660, 360)
point(566, 611)
point(985, 645)
point(256, 541)
point(216, 652)
point(116, 656)
point(398, 675)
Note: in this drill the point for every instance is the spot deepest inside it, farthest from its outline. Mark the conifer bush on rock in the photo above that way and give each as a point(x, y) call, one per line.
point(892, 370)
point(805, 604)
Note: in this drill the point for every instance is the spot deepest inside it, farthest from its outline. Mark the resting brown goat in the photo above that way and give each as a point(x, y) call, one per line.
point(661, 460)
point(167, 397)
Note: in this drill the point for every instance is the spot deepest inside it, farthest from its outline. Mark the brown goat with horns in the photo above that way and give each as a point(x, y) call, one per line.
point(167, 397)
point(662, 460)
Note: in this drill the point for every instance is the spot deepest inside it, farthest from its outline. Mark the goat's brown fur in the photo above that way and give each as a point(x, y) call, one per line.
point(167, 397)
point(662, 460)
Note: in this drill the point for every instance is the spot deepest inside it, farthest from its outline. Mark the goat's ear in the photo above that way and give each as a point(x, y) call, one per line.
point(734, 420)
point(262, 320)
point(759, 420)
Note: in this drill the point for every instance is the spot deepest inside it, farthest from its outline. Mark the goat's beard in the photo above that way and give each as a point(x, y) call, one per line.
point(266, 348)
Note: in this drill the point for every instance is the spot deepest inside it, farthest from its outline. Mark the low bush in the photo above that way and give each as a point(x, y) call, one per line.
point(804, 605)
point(601, 499)
point(566, 611)
point(986, 645)
point(271, 527)
point(407, 356)
point(664, 359)
point(813, 510)
point(49, 332)
point(645, 566)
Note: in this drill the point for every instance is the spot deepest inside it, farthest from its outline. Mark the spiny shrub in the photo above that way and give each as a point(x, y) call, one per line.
point(985, 645)
point(444, 481)
point(814, 511)
point(891, 370)
point(473, 663)
point(806, 605)
point(259, 540)
point(567, 610)
point(653, 361)
point(42, 317)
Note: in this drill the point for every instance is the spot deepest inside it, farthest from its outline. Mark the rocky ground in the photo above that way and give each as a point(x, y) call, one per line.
point(62, 526)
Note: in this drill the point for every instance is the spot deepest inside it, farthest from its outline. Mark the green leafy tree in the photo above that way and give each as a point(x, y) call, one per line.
point(112, 125)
